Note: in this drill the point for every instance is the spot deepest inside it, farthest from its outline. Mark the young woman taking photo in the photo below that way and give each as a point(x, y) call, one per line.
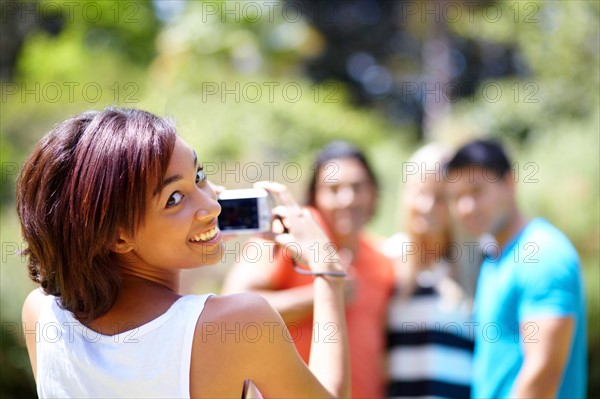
point(113, 205)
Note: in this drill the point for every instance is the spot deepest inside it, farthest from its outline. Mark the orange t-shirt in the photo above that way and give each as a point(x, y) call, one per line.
point(365, 315)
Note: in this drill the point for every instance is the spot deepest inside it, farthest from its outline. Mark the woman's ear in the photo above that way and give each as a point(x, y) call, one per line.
point(123, 244)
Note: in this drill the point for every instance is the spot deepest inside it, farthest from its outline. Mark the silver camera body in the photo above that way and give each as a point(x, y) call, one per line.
point(245, 211)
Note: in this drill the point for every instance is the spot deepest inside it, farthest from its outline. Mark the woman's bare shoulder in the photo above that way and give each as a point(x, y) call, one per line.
point(30, 315)
point(33, 305)
point(239, 307)
point(237, 337)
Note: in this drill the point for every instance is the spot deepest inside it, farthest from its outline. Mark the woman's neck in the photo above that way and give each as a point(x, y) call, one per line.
point(425, 250)
point(169, 281)
point(140, 300)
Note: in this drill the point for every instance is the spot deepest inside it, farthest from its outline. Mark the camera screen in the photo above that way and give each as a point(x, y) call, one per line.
point(238, 214)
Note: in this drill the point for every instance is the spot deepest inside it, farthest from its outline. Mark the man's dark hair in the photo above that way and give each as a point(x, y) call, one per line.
point(486, 154)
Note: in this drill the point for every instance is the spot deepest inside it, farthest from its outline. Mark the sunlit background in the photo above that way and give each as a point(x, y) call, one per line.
point(258, 86)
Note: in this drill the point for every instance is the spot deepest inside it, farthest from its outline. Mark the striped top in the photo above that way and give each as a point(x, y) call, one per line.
point(430, 339)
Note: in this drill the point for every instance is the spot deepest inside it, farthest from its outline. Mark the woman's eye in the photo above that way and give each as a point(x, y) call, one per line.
point(174, 199)
point(200, 176)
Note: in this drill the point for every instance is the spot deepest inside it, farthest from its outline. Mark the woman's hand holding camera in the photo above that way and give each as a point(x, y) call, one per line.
point(300, 235)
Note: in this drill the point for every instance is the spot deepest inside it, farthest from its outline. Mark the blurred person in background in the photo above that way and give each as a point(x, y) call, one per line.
point(530, 336)
point(430, 346)
point(343, 195)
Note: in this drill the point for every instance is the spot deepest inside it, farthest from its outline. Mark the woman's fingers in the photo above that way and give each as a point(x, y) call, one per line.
point(279, 192)
point(278, 226)
point(291, 248)
point(298, 233)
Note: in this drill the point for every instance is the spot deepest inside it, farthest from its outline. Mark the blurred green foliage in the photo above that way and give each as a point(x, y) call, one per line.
point(238, 93)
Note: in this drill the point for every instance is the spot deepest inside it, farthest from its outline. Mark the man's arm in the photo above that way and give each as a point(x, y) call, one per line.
point(546, 347)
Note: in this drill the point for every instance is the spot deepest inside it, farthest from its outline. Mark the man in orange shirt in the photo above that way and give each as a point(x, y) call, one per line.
point(343, 196)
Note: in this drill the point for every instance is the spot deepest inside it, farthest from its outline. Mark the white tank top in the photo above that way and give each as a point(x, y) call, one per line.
point(152, 360)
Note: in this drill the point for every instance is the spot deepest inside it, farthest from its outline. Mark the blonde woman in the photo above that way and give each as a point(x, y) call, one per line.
point(429, 345)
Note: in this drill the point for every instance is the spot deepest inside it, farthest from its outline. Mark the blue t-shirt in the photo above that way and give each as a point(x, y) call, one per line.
point(536, 275)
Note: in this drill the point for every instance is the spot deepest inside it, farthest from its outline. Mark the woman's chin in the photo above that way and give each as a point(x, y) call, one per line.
point(212, 255)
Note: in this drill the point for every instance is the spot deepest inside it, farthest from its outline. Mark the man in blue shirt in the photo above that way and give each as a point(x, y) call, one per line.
point(530, 319)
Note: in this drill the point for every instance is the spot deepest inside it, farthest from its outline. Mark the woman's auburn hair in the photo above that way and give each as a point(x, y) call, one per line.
point(85, 182)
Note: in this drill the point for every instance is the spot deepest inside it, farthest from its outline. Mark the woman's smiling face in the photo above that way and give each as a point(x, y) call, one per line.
point(180, 229)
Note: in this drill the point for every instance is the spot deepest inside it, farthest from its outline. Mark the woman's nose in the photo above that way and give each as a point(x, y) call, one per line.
point(207, 205)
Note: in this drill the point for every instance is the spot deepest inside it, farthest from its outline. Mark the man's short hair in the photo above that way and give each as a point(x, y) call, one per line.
point(486, 154)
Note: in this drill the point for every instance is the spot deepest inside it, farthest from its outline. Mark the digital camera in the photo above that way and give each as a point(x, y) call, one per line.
point(245, 211)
